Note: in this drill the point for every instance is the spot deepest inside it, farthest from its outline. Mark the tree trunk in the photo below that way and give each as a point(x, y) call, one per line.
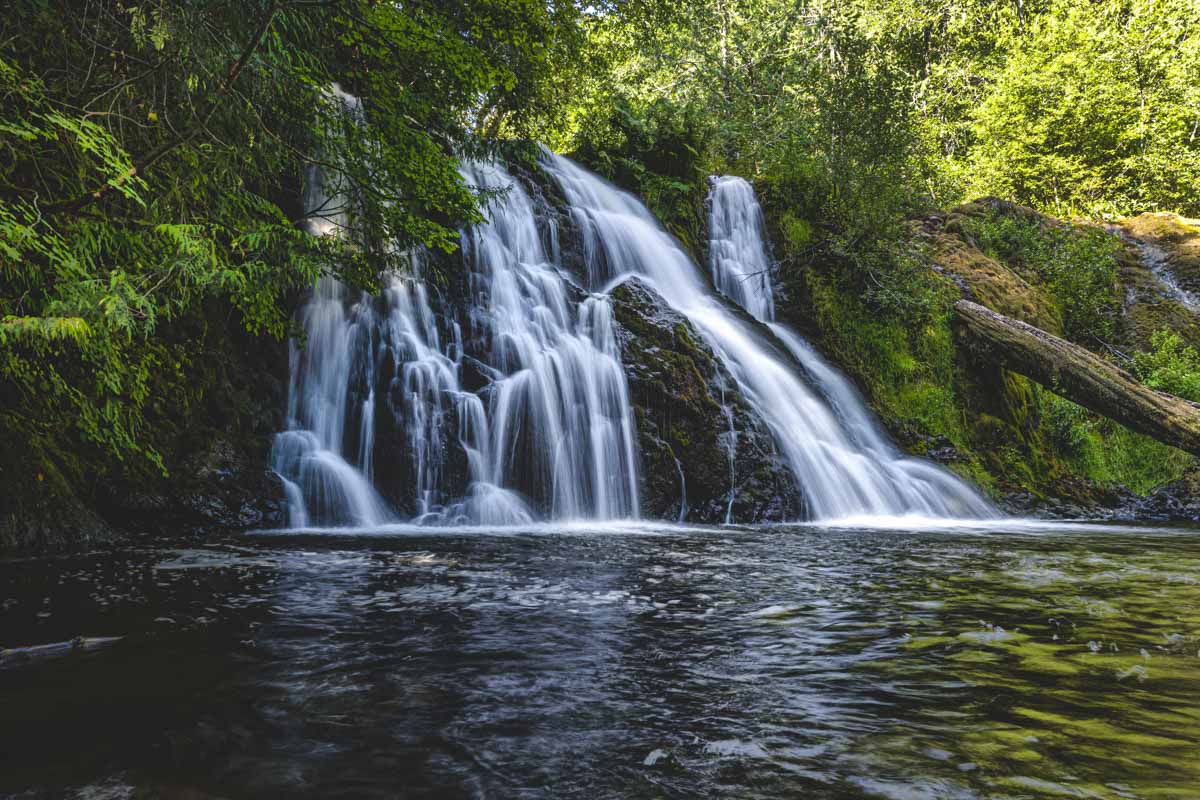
point(1081, 376)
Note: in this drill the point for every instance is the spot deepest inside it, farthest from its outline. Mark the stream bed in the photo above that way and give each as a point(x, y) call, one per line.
point(1007, 661)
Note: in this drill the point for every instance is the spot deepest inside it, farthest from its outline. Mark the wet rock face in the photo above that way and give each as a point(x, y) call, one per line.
point(1160, 278)
point(1074, 498)
point(691, 419)
point(1179, 240)
point(1178, 501)
point(218, 488)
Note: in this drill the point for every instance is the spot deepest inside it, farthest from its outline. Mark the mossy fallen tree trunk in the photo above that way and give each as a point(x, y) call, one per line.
point(1081, 376)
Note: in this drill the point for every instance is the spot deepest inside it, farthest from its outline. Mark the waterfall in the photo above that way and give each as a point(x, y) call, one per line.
point(328, 379)
point(549, 433)
point(506, 401)
point(561, 422)
point(842, 468)
point(326, 396)
point(737, 256)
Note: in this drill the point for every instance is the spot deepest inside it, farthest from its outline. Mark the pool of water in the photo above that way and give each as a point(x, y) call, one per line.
point(913, 661)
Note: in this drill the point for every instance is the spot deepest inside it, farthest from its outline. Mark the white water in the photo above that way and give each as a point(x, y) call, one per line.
point(1155, 258)
point(841, 464)
point(560, 413)
point(520, 410)
point(737, 257)
point(549, 434)
point(312, 456)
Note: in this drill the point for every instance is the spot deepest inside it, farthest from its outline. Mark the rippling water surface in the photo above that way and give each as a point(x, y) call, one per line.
point(630, 662)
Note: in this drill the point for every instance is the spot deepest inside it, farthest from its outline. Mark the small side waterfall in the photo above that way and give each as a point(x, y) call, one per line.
point(326, 476)
point(830, 455)
point(737, 257)
point(331, 391)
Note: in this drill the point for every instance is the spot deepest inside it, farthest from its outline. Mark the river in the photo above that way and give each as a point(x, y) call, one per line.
point(1000, 661)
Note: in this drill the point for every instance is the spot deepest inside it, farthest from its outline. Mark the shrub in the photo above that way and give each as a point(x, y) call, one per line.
point(1171, 366)
point(1077, 263)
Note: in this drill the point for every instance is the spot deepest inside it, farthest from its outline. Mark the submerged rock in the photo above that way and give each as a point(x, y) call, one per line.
point(705, 457)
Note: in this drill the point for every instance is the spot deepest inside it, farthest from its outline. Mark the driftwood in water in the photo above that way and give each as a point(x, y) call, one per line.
point(38, 652)
point(1081, 376)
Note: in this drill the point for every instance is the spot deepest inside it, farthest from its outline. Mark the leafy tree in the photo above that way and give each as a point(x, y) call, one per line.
point(152, 154)
point(1095, 109)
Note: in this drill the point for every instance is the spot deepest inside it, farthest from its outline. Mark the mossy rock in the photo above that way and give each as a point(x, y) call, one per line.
point(40, 506)
point(1179, 237)
point(704, 453)
point(990, 283)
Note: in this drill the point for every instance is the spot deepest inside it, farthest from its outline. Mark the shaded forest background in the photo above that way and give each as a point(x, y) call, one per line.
point(152, 158)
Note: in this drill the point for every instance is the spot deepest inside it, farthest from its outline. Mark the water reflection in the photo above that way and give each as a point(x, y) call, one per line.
point(692, 662)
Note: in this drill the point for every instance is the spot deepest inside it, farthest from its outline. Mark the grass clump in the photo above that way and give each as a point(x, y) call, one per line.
point(1170, 366)
point(1076, 263)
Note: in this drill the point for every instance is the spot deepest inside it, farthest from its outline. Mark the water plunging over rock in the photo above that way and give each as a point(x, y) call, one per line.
point(506, 397)
point(737, 257)
point(843, 468)
point(526, 415)
point(704, 451)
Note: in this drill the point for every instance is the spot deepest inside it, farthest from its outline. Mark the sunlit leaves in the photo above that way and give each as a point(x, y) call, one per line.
point(152, 159)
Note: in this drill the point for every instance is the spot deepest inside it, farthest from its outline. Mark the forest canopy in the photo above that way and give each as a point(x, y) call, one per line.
point(1069, 107)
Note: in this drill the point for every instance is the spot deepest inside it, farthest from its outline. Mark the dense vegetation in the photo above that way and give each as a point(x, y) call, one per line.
point(856, 106)
point(857, 118)
point(152, 161)
point(154, 154)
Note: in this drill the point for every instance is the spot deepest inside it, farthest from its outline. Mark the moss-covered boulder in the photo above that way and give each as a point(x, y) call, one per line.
point(1033, 452)
point(1160, 278)
point(40, 504)
point(1006, 288)
point(704, 455)
point(210, 416)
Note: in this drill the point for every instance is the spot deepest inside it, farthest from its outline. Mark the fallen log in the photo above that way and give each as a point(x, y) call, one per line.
point(1080, 376)
point(23, 655)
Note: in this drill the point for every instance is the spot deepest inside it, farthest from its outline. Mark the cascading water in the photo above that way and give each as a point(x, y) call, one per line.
point(738, 248)
point(550, 431)
point(561, 423)
point(741, 269)
point(841, 464)
point(312, 456)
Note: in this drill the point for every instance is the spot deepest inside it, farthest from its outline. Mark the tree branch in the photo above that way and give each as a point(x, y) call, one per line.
point(143, 164)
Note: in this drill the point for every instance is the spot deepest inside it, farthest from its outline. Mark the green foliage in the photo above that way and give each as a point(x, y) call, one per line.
point(654, 151)
point(1099, 449)
point(1094, 109)
point(797, 233)
point(1171, 366)
point(906, 369)
point(1077, 263)
point(152, 159)
point(872, 108)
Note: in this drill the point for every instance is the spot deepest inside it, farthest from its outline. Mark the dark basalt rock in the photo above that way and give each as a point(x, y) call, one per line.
point(1178, 501)
point(684, 402)
point(217, 489)
point(1077, 499)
